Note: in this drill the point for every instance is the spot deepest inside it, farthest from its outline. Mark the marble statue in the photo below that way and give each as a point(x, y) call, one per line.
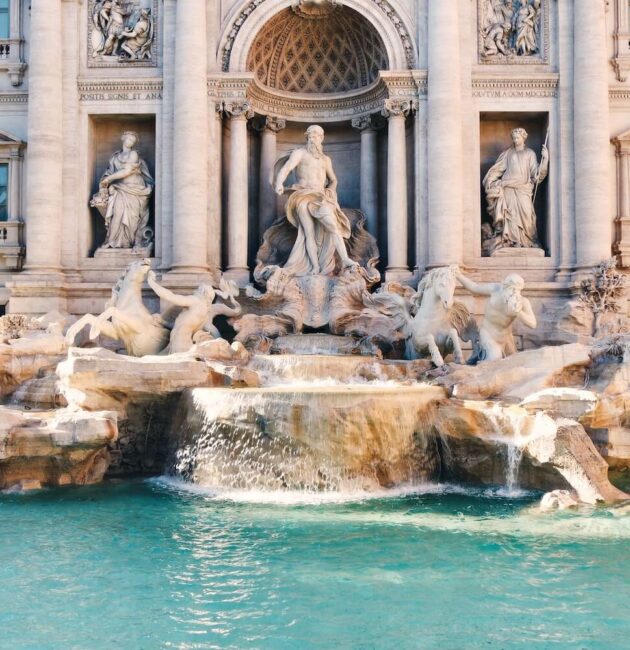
point(198, 312)
point(123, 198)
point(432, 322)
point(120, 29)
point(505, 305)
point(496, 33)
point(135, 41)
point(526, 27)
point(313, 209)
point(508, 31)
point(510, 186)
point(125, 318)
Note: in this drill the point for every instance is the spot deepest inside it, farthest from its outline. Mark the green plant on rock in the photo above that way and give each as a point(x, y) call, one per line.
point(602, 290)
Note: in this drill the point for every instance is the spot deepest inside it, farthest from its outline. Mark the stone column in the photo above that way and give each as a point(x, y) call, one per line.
point(397, 212)
point(267, 198)
point(445, 155)
point(190, 154)
point(72, 213)
point(45, 139)
point(215, 183)
point(591, 133)
point(238, 199)
point(369, 171)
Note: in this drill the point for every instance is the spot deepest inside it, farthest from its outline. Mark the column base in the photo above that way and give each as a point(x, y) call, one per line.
point(240, 276)
point(398, 275)
point(37, 293)
point(582, 273)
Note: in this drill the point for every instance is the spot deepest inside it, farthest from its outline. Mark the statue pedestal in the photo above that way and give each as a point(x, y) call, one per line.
point(121, 257)
point(518, 252)
point(316, 290)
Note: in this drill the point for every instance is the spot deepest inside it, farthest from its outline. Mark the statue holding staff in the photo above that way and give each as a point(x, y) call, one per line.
point(509, 185)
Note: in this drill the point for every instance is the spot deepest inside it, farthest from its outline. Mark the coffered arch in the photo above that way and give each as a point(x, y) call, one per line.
point(252, 16)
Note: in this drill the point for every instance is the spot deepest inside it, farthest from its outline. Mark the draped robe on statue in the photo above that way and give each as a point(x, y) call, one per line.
point(318, 203)
point(509, 186)
point(127, 213)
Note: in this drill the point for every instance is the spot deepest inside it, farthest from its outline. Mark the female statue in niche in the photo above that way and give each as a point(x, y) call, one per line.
point(123, 197)
point(510, 185)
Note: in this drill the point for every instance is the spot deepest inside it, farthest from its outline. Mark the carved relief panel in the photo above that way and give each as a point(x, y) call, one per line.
point(122, 32)
point(513, 31)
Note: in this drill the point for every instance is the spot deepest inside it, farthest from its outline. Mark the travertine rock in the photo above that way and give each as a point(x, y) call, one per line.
point(54, 448)
point(522, 374)
point(96, 379)
point(18, 366)
point(558, 500)
point(313, 438)
point(608, 422)
point(494, 445)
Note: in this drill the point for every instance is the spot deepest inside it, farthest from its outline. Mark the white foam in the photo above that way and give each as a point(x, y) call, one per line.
point(584, 523)
point(297, 498)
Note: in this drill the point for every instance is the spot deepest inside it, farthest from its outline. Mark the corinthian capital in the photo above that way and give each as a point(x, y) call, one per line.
point(397, 107)
point(270, 123)
point(362, 123)
point(238, 110)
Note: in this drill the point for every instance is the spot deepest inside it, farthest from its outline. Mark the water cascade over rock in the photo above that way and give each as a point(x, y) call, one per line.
point(309, 438)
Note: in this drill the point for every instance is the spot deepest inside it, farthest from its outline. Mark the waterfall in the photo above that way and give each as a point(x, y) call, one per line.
point(309, 438)
point(516, 428)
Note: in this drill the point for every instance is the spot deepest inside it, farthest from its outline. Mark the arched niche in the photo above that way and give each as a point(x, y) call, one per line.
point(249, 19)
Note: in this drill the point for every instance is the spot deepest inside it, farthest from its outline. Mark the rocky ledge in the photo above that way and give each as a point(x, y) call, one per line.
point(541, 419)
point(52, 448)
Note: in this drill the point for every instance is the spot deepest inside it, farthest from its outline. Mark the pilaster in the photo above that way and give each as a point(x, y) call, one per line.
point(591, 134)
point(190, 146)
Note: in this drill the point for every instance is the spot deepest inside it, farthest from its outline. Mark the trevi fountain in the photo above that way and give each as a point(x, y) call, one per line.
point(314, 324)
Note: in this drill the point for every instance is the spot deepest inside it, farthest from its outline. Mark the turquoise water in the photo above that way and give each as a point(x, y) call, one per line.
point(149, 565)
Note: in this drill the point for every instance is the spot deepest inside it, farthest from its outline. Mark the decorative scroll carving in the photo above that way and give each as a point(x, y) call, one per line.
point(320, 53)
point(122, 32)
point(397, 107)
point(383, 5)
point(238, 110)
point(513, 31)
point(270, 123)
point(315, 8)
point(362, 123)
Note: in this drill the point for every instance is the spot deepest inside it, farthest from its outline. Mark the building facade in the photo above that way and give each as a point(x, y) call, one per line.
point(418, 99)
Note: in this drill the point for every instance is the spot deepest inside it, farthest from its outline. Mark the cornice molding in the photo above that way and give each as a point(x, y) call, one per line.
point(507, 85)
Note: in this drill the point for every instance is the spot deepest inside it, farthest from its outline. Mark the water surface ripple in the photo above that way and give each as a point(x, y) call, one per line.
point(153, 565)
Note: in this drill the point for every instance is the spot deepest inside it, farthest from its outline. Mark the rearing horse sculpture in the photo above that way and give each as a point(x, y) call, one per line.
point(125, 318)
point(437, 322)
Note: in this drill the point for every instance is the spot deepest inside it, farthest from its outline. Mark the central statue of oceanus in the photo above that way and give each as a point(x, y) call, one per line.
point(314, 260)
point(313, 209)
